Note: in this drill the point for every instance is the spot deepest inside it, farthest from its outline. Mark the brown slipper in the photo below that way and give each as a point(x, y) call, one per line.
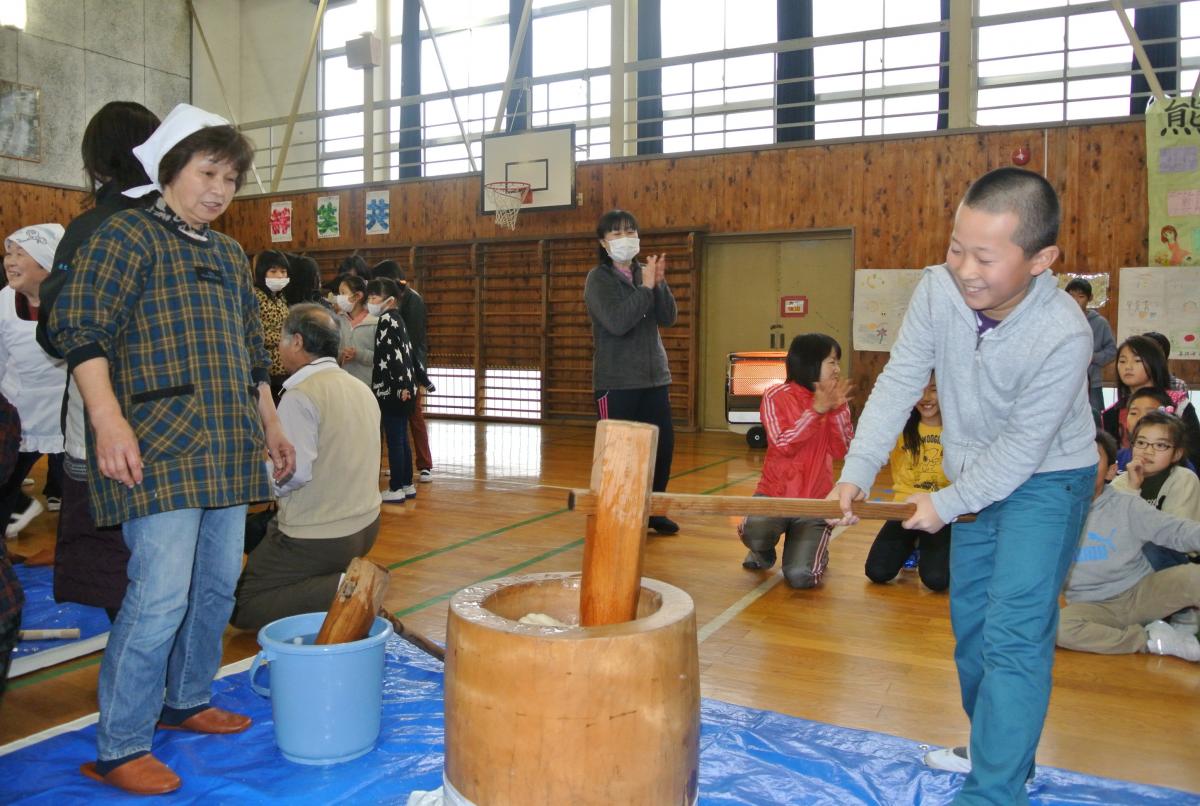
point(212, 720)
point(145, 775)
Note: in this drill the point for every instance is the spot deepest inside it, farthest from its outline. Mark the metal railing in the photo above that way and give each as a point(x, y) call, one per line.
point(863, 100)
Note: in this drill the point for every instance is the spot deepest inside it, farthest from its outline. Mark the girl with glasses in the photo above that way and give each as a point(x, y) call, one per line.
point(1156, 473)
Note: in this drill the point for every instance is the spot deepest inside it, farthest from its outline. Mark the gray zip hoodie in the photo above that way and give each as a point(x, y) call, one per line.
point(1110, 559)
point(1014, 400)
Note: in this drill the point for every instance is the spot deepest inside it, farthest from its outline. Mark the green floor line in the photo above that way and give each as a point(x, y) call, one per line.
point(729, 484)
point(475, 539)
point(512, 569)
point(52, 672)
point(704, 467)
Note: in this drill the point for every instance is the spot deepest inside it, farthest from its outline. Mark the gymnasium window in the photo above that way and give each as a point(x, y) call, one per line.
point(883, 81)
point(472, 38)
point(340, 143)
point(710, 103)
point(507, 392)
point(876, 67)
point(570, 80)
point(1041, 62)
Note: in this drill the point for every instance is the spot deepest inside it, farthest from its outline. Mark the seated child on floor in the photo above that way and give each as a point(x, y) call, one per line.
point(916, 464)
point(1115, 600)
point(1144, 401)
point(1141, 364)
point(807, 420)
point(1156, 473)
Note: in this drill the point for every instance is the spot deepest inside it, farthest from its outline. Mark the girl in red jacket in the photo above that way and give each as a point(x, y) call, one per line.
point(808, 426)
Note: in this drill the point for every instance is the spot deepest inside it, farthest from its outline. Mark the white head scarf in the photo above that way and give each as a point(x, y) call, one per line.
point(39, 240)
point(183, 121)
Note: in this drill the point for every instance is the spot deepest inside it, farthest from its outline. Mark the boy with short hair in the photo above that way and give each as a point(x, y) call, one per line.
point(1104, 347)
point(1113, 591)
point(1011, 352)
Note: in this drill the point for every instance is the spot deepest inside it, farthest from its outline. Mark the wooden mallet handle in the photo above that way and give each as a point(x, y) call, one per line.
point(586, 501)
point(415, 638)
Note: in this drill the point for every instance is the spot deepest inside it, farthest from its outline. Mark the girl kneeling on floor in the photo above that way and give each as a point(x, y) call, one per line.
point(916, 468)
point(807, 420)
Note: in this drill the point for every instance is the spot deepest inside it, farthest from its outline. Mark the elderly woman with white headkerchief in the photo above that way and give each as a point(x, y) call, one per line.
point(31, 380)
point(160, 327)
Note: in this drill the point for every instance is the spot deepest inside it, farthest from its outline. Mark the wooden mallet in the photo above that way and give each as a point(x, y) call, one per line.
point(358, 599)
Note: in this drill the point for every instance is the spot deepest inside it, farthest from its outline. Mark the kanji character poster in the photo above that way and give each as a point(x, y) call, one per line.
point(329, 209)
point(1173, 181)
point(281, 221)
point(378, 212)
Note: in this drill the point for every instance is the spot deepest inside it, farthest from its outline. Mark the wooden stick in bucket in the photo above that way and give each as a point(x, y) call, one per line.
point(355, 604)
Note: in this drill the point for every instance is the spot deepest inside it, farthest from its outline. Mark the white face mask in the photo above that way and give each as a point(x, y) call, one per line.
point(344, 304)
point(376, 308)
point(277, 284)
point(623, 250)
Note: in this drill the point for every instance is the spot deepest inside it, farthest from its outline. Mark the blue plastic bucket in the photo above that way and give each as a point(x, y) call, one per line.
point(326, 700)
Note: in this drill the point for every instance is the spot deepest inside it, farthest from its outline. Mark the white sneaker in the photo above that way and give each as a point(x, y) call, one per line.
point(1163, 640)
point(393, 496)
point(21, 519)
point(425, 476)
point(950, 759)
point(410, 491)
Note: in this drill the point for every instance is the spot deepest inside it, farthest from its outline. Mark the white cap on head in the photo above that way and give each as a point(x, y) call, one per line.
point(183, 120)
point(39, 240)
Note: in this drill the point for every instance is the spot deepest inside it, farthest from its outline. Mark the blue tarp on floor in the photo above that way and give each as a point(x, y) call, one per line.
point(746, 757)
point(41, 612)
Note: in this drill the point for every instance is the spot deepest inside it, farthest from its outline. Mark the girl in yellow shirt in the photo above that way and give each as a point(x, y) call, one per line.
point(916, 463)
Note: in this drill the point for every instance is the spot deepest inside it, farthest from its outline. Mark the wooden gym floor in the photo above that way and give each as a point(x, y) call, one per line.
point(872, 657)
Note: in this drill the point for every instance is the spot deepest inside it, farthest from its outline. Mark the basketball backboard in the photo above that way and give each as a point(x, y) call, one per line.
point(545, 158)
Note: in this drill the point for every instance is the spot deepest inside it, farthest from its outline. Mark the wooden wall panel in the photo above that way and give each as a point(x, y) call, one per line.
point(898, 196)
point(24, 203)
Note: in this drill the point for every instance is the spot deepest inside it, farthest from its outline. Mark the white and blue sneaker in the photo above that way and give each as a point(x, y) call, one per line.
point(410, 491)
point(949, 759)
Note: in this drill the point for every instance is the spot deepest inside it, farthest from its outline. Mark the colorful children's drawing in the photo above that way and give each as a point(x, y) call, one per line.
point(880, 300)
point(1172, 181)
point(281, 221)
point(328, 217)
point(1164, 299)
point(378, 212)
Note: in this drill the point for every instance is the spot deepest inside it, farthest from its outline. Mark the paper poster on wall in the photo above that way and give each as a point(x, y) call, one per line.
point(880, 301)
point(329, 216)
point(1173, 181)
point(281, 221)
point(378, 212)
point(1163, 299)
point(1099, 284)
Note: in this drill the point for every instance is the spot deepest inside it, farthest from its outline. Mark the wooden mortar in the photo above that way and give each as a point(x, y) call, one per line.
point(571, 715)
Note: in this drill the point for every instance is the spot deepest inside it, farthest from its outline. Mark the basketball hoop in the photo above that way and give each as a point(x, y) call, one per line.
point(506, 199)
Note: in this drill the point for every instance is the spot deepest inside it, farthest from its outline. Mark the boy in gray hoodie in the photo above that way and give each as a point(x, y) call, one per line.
point(1011, 352)
point(1113, 591)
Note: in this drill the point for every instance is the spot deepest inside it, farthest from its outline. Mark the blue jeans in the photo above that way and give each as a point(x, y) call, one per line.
point(1006, 571)
point(183, 569)
point(400, 462)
